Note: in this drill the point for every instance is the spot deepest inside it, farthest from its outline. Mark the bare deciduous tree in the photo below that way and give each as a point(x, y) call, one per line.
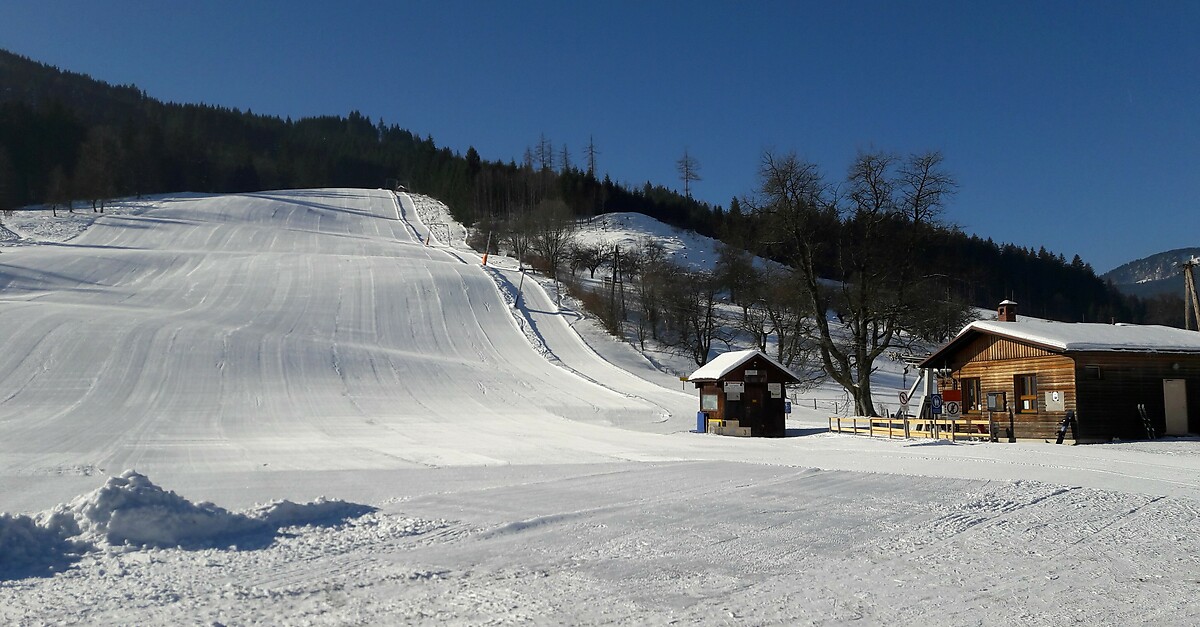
point(517, 235)
point(689, 172)
point(868, 242)
point(554, 233)
point(590, 256)
point(565, 159)
point(591, 153)
point(693, 320)
point(545, 154)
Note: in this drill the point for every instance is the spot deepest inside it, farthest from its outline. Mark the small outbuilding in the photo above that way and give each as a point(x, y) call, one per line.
point(742, 393)
point(1025, 375)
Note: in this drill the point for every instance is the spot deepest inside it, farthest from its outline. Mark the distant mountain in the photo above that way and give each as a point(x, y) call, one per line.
point(1153, 275)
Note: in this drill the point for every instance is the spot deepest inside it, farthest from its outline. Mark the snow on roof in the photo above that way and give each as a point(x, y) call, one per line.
point(1084, 336)
point(725, 363)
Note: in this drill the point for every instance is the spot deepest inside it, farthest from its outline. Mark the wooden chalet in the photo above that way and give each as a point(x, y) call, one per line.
point(742, 393)
point(1027, 374)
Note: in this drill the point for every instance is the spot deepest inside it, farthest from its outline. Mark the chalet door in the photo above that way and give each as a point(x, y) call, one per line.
point(753, 403)
point(1175, 402)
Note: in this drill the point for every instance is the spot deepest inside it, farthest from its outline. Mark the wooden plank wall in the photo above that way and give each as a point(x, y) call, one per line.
point(992, 348)
point(1105, 408)
point(996, 362)
point(1127, 379)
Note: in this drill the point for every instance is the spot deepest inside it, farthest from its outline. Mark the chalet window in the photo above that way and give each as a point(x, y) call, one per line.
point(1026, 387)
point(972, 400)
point(1091, 373)
point(708, 402)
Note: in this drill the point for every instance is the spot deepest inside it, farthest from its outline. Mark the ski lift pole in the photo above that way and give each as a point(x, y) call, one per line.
point(520, 284)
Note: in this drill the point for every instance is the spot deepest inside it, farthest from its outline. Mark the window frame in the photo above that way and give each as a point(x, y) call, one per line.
point(973, 400)
point(1025, 393)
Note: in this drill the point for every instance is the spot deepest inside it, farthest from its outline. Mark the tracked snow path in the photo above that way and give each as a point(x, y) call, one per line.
point(289, 330)
point(314, 331)
point(623, 544)
point(293, 344)
point(552, 332)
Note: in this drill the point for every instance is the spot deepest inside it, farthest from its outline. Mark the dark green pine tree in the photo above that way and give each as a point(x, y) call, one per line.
point(8, 182)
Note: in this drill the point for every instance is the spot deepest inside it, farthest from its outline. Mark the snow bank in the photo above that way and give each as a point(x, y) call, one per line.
point(131, 511)
point(28, 549)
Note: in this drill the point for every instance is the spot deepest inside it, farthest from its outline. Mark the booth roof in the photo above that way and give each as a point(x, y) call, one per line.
point(725, 363)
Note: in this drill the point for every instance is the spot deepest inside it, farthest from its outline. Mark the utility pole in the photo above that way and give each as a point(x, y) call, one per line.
point(1191, 304)
point(612, 286)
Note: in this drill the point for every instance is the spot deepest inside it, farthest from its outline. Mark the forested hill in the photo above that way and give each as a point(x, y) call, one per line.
point(65, 136)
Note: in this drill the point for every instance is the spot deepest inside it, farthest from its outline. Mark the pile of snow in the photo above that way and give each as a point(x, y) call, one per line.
point(130, 511)
point(29, 549)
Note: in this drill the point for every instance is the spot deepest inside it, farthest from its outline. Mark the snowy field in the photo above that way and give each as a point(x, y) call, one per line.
point(286, 408)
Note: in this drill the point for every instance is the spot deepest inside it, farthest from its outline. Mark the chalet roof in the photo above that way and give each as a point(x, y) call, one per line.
point(1074, 337)
point(725, 363)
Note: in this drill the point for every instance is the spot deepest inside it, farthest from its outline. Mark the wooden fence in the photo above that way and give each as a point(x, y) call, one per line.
point(914, 428)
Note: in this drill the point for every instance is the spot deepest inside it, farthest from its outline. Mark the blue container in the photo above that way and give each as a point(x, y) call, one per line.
point(701, 422)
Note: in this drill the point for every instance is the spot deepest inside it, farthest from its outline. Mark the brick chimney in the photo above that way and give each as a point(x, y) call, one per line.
point(1007, 311)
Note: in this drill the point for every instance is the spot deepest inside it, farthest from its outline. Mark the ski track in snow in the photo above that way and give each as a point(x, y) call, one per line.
point(248, 348)
point(753, 544)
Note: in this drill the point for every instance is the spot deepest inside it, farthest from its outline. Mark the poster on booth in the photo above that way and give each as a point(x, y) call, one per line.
point(734, 389)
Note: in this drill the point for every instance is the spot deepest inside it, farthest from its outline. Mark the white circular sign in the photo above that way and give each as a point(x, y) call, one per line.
point(952, 408)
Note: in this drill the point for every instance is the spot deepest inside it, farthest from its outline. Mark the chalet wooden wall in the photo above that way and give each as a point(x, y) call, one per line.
point(992, 348)
point(996, 373)
point(1105, 408)
point(1109, 405)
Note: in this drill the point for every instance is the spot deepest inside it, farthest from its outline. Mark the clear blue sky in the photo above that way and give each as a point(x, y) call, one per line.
point(1069, 125)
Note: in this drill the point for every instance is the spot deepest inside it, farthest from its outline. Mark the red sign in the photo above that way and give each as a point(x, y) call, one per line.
point(952, 395)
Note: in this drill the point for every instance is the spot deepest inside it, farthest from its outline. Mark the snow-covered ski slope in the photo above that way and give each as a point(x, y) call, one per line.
point(486, 465)
point(285, 330)
point(326, 330)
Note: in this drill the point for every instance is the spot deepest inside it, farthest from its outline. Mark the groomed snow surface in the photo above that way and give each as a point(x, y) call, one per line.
point(316, 407)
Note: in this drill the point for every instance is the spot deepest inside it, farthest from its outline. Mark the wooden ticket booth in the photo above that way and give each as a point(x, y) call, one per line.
point(742, 394)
